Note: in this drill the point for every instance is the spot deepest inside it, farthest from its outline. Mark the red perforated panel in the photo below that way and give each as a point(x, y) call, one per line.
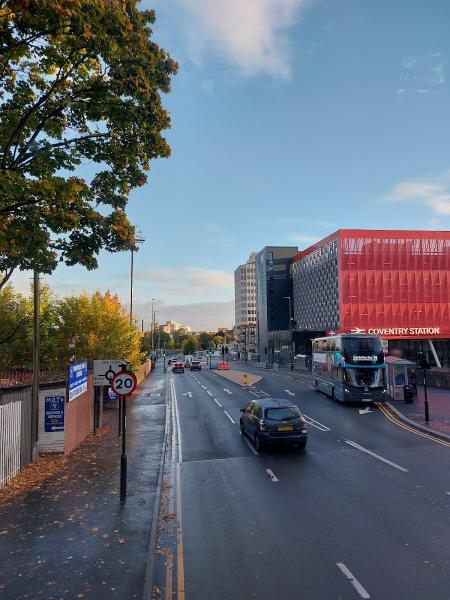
point(397, 283)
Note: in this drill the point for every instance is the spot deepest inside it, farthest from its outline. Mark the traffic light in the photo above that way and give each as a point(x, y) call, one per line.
point(422, 362)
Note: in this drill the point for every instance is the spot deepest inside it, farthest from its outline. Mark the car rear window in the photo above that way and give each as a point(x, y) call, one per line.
point(284, 413)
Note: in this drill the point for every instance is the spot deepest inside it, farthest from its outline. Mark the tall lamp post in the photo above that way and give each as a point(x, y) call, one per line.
point(288, 298)
point(138, 239)
point(153, 325)
point(36, 351)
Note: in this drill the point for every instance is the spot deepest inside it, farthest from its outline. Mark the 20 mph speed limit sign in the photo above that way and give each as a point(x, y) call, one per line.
point(124, 383)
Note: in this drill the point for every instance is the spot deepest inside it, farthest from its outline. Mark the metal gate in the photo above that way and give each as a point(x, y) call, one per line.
point(15, 429)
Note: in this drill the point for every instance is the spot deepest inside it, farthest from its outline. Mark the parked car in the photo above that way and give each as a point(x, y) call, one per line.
point(195, 365)
point(273, 421)
point(223, 365)
point(178, 367)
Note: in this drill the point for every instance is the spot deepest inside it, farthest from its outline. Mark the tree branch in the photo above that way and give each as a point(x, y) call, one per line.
point(18, 130)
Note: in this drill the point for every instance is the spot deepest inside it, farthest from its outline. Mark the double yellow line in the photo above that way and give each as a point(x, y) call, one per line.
point(388, 413)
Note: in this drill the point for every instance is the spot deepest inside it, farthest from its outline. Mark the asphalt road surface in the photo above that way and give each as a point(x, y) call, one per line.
point(363, 513)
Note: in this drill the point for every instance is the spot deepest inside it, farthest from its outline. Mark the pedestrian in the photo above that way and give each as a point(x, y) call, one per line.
point(412, 377)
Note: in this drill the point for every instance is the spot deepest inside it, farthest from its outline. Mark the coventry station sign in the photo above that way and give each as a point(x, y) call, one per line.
point(399, 332)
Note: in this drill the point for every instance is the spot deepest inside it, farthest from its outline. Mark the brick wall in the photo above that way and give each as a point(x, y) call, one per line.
point(79, 418)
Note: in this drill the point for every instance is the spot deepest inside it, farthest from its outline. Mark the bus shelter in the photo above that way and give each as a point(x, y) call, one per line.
point(398, 374)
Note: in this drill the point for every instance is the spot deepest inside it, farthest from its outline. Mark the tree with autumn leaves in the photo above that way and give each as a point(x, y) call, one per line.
point(74, 328)
point(80, 80)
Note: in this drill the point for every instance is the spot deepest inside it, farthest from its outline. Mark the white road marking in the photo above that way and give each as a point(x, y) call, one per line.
point(253, 393)
point(364, 411)
point(385, 460)
point(187, 394)
point(218, 403)
point(271, 474)
point(448, 493)
point(227, 391)
point(255, 452)
point(209, 393)
point(231, 418)
point(315, 423)
point(289, 392)
point(204, 387)
point(265, 393)
point(352, 579)
point(174, 396)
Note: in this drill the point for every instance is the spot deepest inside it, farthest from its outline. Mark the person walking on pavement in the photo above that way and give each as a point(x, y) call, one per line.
point(412, 377)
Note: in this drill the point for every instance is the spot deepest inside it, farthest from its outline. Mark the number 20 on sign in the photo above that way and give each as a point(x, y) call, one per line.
point(124, 383)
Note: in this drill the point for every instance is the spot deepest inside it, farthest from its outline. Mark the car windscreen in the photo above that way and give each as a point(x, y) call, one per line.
point(284, 413)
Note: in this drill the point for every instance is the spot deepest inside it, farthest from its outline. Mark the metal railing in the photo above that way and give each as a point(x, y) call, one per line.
point(15, 429)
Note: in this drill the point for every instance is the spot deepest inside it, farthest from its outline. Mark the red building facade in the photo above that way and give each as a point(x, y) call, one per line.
point(395, 284)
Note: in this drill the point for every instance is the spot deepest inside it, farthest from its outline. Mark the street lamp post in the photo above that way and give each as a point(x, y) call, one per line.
point(288, 298)
point(138, 239)
point(36, 351)
point(153, 325)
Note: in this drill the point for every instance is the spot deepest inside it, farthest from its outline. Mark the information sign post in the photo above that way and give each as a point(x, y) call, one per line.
point(123, 383)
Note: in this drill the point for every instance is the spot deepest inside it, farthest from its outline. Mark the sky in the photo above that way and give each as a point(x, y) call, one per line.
point(290, 119)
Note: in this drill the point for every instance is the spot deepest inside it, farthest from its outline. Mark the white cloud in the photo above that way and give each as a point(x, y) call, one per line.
point(435, 194)
point(188, 281)
point(249, 34)
point(301, 239)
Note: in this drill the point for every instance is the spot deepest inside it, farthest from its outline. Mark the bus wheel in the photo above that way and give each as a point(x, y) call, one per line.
point(333, 394)
point(316, 385)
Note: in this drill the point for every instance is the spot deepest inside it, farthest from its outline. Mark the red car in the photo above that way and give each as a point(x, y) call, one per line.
point(178, 367)
point(223, 365)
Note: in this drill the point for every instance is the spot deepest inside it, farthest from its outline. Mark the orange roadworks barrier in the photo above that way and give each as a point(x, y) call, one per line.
point(245, 379)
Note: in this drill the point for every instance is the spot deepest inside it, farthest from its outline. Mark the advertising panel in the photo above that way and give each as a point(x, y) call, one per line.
point(78, 376)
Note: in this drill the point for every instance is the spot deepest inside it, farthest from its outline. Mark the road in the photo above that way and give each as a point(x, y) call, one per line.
point(363, 513)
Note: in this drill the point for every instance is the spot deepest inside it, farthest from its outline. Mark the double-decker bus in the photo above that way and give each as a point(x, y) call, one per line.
point(349, 367)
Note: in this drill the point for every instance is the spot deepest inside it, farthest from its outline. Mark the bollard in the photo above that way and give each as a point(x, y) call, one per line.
point(245, 379)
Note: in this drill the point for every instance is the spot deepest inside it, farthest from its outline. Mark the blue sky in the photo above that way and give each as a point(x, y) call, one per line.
point(291, 118)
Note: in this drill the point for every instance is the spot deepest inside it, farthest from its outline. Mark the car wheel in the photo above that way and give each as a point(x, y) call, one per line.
point(259, 444)
point(241, 427)
point(301, 447)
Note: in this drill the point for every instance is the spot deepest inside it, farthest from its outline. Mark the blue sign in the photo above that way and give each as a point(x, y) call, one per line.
point(78, 376)
point(54, 413)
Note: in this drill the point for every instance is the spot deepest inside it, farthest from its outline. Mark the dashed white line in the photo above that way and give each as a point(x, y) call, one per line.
point(315, 423)
point(352, 579)
point(255, 452)
point(385, 460)
point(203, 386)
point(289, 392)
point(271, 474)
point(231, 418)
point(209, 393)
point(218, 403)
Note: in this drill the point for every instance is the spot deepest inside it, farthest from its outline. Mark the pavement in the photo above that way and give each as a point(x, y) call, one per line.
point(438, 409)
point(63, 533)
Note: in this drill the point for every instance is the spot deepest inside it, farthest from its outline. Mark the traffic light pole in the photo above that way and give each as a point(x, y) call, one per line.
point(427, 414)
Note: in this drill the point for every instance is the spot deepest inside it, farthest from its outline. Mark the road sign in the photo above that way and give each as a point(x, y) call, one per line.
point(78, 376)
point(124, 383)
point(104, 371)
point(54, 414)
